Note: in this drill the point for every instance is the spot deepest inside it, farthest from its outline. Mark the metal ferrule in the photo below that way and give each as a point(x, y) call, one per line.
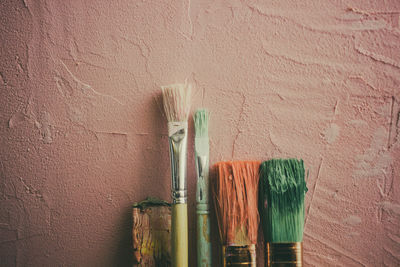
point(284, 254)
point(202, 170)
point(233, 256)
point(177, 132)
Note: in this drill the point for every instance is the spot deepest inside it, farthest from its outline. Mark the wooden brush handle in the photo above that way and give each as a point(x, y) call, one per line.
point(203, 236)
point(179, 235)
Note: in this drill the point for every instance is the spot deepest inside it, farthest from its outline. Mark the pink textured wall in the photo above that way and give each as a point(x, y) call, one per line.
point(82, 136)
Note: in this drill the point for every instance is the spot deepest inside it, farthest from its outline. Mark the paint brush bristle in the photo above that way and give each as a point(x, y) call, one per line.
point(281, 201)
point(235, 191)
point(201, 123)
point(176, 100)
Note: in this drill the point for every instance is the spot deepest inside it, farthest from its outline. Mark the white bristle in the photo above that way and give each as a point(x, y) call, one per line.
point(176, 99)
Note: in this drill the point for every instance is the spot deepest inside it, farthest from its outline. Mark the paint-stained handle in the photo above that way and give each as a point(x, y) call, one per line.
point(203, 236)
point(179, 235)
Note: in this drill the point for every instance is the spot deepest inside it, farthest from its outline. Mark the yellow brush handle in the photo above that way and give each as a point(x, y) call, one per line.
point(179, 236)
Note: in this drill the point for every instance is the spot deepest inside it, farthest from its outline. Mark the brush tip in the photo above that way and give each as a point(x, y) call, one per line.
point(283, 188)
point(201, 118)
point(176, 100)
point(235, 192)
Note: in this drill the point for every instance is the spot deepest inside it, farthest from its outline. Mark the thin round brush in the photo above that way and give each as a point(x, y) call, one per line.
point(235, 190)
point(176, 99)
point(202, 151)
point(282, 189)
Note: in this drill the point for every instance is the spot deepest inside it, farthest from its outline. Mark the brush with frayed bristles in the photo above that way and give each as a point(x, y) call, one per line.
point(282, 189)
point(176, 100)
point(202, 149)
point(235, 190)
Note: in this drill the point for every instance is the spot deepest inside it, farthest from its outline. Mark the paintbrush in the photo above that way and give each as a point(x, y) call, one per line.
point(176, 99)
point(151, 235)
point(282, 188)
point(202, 149)
point(235, 189)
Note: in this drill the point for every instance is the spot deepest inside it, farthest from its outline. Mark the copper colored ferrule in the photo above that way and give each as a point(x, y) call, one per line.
point(239, 256)
point(284, 254)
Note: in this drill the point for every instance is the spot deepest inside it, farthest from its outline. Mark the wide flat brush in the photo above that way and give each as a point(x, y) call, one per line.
point(282, 189)
point(235, 189)
point(202, 151)
point(151, 233)
point(176, 99)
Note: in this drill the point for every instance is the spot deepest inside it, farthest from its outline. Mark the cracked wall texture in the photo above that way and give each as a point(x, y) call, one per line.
point(83, 136)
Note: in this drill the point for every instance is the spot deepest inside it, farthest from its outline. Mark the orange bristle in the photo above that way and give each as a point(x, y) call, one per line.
point(235, 188)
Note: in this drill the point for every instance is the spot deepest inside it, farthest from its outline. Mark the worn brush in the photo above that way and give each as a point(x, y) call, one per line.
point(282, 189)
point(151, 233)
point(235, 190)
point(202, 148)
point(176, 99)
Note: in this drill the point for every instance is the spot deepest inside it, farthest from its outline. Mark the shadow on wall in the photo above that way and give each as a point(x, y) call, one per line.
point(122, 255)
point(146, 178)
point(150, 165)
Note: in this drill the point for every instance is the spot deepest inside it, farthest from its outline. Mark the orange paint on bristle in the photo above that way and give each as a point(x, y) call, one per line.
point(235, 188)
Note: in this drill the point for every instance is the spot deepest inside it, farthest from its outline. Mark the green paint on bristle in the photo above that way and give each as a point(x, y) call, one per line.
point(150, 202)
point(281, 200)
point(201, 122)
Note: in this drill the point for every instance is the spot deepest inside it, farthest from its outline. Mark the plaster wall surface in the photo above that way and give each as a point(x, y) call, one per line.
point(82, 135)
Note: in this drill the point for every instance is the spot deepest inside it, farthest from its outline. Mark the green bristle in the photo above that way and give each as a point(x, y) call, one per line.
point(281, 200)
point(201, 122)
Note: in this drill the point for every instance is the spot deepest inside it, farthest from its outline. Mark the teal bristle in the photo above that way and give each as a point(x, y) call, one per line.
point(201, 122)
point(281, 200)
